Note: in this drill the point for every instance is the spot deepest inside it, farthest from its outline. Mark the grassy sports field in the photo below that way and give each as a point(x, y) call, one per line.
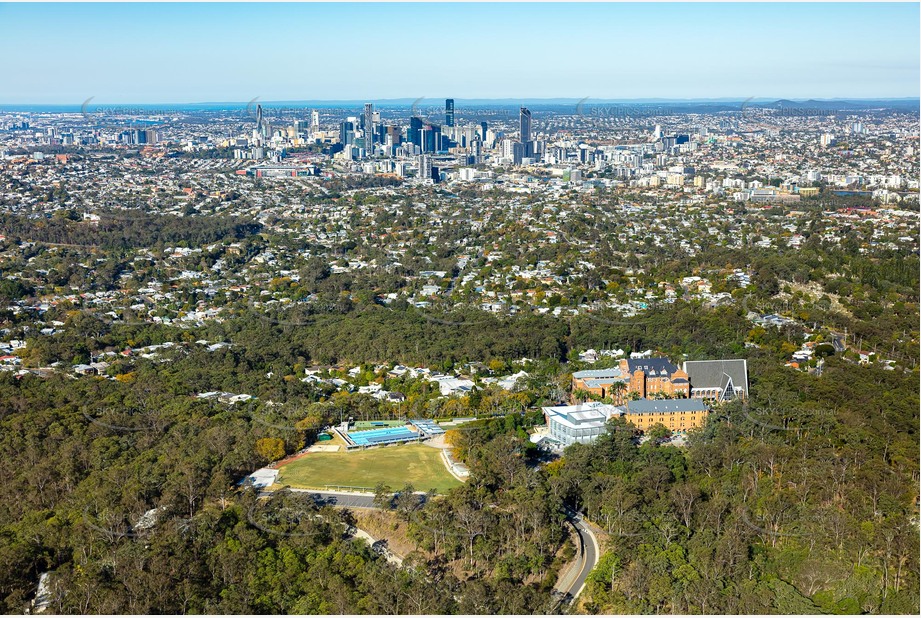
point(393, 465)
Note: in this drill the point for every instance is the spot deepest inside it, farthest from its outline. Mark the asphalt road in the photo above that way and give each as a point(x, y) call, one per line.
point(355, 501)
point(572, 583)
point(589, 555)
point(588, 544)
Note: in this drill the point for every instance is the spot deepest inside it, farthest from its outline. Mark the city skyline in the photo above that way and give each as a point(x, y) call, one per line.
point(293, 52)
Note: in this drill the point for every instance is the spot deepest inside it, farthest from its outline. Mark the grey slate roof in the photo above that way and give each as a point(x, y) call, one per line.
point(641, 406)
point(652, 367)
point(716, 373)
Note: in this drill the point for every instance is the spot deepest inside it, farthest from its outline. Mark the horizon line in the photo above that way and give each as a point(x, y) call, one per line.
point(507, 100)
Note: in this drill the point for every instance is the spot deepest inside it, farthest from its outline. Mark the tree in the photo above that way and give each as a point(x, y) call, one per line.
point(270, 449)
point(659, 433)
point(383, 496)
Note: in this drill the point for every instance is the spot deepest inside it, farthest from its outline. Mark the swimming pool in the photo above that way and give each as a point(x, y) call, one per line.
point(382, 436)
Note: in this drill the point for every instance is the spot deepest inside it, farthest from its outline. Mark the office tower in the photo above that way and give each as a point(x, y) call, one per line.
point(524, 119)
point(415, 131)
point(657, 133)
point(483, 129)
point(449, 112)
point(346, 132)
point(395, 134)
point(315, 120)
point(430, 138)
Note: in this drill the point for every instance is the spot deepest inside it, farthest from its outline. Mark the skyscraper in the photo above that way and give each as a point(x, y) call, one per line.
point(527, 146)
point(369, 128)
point(262, 127)
point(315, 120)
point(346, 132)
point(430, 138)
point(524, 120)
point(415, 131)
point(449, 112)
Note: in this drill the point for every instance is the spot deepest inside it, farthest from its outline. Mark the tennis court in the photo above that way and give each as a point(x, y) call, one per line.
point(362, 425)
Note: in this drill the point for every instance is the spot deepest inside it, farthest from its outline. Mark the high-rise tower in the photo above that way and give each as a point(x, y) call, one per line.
point(369, 128)
point(260, 122)
point(449, 112)
point(524, 119)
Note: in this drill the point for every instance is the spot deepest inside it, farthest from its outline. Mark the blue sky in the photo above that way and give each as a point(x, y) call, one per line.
point(185, 53)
